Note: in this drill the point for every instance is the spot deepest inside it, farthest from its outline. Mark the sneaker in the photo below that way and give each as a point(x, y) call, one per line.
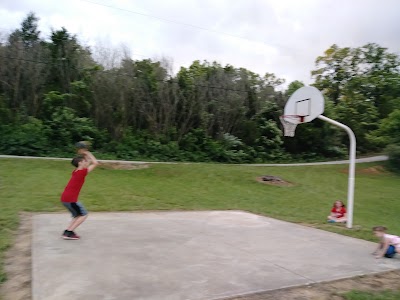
point(331, 221)
point(391, 255)
point(65, 233)
point(70, 235)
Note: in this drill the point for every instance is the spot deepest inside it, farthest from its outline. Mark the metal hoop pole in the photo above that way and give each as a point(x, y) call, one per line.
point(352, 160)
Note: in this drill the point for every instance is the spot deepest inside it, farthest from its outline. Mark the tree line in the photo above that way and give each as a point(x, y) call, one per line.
point(55, 91)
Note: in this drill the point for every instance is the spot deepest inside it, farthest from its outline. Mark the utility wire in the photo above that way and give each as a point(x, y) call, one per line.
point(172, 21)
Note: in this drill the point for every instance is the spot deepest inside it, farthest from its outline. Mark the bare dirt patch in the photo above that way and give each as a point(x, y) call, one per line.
point(279, 182)
point(123, 166)
point(374, 170)
point(19, 271)
point(18, 264)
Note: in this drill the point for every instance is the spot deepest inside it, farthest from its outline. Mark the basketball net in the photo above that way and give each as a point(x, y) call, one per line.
point(289, 124)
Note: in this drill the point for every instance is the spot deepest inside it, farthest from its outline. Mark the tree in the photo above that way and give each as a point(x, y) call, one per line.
point(387, 136)
point(369, 70)
point(364, 85)
point(63, 123)
point(334, 70)
point(68, 60)
point(292, 87)
point(388, 131)
point(22, 75)
point(361, 116)
point(29, 32)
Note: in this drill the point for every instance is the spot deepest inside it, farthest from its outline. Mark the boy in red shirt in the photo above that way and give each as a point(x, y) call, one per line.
point(84, 164)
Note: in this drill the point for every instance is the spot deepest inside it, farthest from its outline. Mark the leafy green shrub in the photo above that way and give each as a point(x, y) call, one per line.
point(197, 146)
point(140, 145)
point(65, 128)
point(28, 138)
point(386, 134)
point(393, 151)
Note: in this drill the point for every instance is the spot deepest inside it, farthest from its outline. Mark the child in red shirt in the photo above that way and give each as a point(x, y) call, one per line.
point(84, 164)
point(338, 213)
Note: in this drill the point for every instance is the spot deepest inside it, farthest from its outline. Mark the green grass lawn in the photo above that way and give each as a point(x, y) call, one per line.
point(36, 185)
point(384, 295)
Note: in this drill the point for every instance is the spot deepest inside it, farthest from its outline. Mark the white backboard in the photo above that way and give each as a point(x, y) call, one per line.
point(307, 102)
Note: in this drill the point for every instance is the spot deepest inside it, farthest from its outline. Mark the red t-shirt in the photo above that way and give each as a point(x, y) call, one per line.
point(339, 211)
point(74, 186)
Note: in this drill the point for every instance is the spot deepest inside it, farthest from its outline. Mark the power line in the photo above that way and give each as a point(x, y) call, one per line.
point(26, 59)
point(173, 22)
point(127, 75)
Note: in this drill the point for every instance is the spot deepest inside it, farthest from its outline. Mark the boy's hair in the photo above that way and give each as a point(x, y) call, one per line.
point(379, 228)
point(76, 160)
point(334, 203)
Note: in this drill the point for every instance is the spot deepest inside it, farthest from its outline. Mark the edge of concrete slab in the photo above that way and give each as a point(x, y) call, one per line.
point(291, 287)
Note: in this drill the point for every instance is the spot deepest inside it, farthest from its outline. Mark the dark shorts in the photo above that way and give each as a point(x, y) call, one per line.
point(391, 251)
point(76, 208)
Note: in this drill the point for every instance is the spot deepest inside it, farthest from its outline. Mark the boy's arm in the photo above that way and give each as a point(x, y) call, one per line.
point(93, 161)
point(378, 248)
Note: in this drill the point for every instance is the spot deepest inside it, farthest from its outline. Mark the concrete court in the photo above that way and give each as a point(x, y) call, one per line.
point(188, 255)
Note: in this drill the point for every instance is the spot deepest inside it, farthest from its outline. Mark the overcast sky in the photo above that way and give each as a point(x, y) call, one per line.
point(276, 36)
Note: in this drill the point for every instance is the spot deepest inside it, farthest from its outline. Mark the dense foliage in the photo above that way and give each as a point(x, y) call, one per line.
point(55, 91)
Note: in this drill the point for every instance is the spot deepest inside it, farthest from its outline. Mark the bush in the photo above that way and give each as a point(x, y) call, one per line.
point(66, 128)
point(135, 146)
point(197, 146)
point(393, 151)
point(28, 138)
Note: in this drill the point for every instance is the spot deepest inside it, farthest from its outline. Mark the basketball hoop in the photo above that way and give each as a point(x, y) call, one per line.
point(289, 123)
